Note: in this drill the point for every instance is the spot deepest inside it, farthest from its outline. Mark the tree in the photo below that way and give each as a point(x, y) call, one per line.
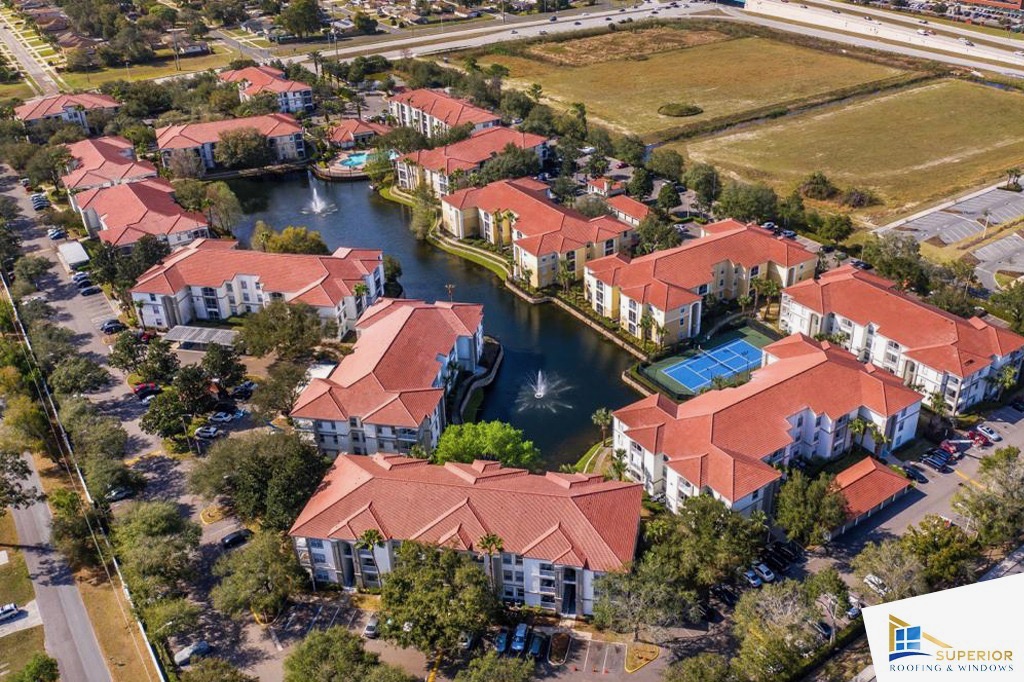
point(78, 374)
point(332, 655)
point(441, 593)
point(591, 206)
point(493, 668)
point(364, 23)
point(491, 544)
point(512, 162)
point(51, 344)
point(31, 268)
point(771, 623)
point(244, 147)
point(704, 667)
point(602, 419)
point(895, 565)
point(836, 227)
point(222, 207)
point(667, 163)
point(668, 197)
point(166, 416)
point(278, 393)
point(39, 668)
point(640, 185)
point(216, 670)
point(1011, 300)
point(897, 257)
point(947, 553)
point(565, 275)
point(71, 528)
point(291, 239)
point(369, 541)
point(292, 330)
point(185, 163)
point(1004, 379)
point(830, 591)
point(192, 386)
point(703, 179)
point(160, 364)
point(128, 352)
point(655, 234)
point(25, 427)
point(301, 17)
point(14, 471)
point(224, 364)
point(485, 440)
point(597, 165)
point(170, 617)
point(744, 202)
point(156, 545)
point(535, 91)
point(630, 149)
point(996, 506)
point(818, 186)
point(642, 597)
point(810, 509)
point(48, 164)
point(258, 577)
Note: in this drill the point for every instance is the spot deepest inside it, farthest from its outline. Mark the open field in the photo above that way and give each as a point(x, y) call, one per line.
point(9, 91)
point(606, 47)
point(15, 585)
point(911, 146)
point(162, 66)
point(18, 647)
point(723, 78)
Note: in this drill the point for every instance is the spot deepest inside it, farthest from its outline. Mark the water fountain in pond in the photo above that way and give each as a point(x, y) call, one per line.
point(318, 205)
point(545, 392)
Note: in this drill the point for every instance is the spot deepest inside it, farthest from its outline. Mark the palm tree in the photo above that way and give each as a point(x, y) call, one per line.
point(602, 418)
point(1012, 176)
point(937, 405)
point(565, 275)
point(139, 305)
point(858, 427)
point(744, 302)
point(491, 544)
point(771, 290)
point(369, 540)
point(361, 290)
point(879, 439)
point(646, 322)
point(617, 467)
point(535, 91)
point(758, 285)
point(317, 60)
point(1005, 379)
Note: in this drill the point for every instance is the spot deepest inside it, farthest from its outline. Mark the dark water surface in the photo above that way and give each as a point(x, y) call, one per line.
point(535, 337)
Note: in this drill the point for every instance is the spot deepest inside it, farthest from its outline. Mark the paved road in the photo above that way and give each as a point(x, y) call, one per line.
point(29, 64)
point(69, 634)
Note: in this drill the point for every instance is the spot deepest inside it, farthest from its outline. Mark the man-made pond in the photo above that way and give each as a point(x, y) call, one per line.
point(580, 368)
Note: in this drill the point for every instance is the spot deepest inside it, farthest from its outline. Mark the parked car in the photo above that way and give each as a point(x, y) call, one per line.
point(940, 455)
point(221, 418)
point(56, 234)
point(518, 644)
point(236, 538)
point(82, 283)
point(949, 447)
point(79, 276)
point(876, 584)
point(240, 414)
point(144, 336)
point(207, 432)
point(147, 387)
point(118, 494)
point(372, 628)
point(8, 611)
point(822, 628)
point(752, 579)
point(914, 474)
point(989, 432)
point(978, 438)
point(725, 595)
point(1017, 404)
point(764, 573)
point(466, 641)
point(854, 609)
point(148, 398)
point(789, 234)
point(112, 327)
point(91, 291)
point(538, 646)
point(501, 641)
point(192, 651)
point(935, 464)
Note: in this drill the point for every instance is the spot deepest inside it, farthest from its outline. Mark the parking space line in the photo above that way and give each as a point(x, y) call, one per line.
point(316, 616)
point(607, 650)
point(337, 610)
point(352, 620)
point(587, 656)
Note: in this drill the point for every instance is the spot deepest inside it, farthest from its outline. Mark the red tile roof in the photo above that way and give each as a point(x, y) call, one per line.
point(263, 79)
point(105, 160)
point(347, 129)
point(669, 279)
point(629, 206)
point(469, 154)
point(930, 336)
point(390, 376)
point(719, 439)
point(867, 484)
point(191, 135)
point(546, 226)
point(577, 520)
point(54, 105)
point(452, 111)
point(135, 209)
point(320, 281)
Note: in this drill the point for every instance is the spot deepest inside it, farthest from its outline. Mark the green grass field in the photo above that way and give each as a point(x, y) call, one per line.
point(722, 78)
point(162, 66)
point(911, 147)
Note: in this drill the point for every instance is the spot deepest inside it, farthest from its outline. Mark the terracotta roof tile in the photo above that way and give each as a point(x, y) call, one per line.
point(933, 337)
point(470, 154)
point(867, 484)
point(263, 79)
point(191, 135)
point(346, 129)
point(569, 519)
point(627, 205)
point(132, 210)
point(104, 160)
point(452, 111)
point(389, 378)
point(55, 104)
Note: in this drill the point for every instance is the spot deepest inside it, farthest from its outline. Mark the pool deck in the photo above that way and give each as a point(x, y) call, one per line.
point(657, 371)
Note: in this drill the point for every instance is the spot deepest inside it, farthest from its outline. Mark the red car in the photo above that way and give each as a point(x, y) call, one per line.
point(980, 439)
point(949, 447)
point(145, 388)
point(146, 337)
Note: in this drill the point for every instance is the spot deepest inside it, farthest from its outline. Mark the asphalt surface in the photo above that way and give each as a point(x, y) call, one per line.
point(69, 635)
point(29, 64)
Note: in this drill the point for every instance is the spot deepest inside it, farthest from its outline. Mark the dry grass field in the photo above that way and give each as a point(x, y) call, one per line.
point(608, 47)
point(911, 146)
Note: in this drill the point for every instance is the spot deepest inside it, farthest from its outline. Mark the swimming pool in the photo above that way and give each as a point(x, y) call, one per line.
point(358, 159)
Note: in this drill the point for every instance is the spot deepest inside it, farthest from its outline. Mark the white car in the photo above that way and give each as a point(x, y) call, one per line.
point(876, 584)
point(207, 432)
point(221, 418)
point(8, 611)
point(764, 573)
point(990, 433)
point(752, 578)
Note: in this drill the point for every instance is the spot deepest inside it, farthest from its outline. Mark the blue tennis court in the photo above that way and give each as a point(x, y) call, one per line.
point(727, 360)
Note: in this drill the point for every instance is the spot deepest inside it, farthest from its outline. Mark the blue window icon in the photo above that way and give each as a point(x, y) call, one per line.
point(908, 639)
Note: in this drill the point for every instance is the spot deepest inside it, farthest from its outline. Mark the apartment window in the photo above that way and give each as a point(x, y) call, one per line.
point(319, 558)
point(892, 345)
point(245, 297)
point(756, 494)
point(817, 420)
point(152, 298)
point(755, 271)
point(353, 422)
point(506, 576)
point(228, 287)
point(800, 421)
point(315, 544)
point(245, 285)
point(702, 289)
point(609, 247)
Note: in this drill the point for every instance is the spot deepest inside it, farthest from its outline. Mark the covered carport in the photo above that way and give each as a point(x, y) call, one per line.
point(200, 338)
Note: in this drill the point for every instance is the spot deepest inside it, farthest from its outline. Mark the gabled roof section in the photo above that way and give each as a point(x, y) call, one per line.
point(719, 439)
point(257, 79)
point(54, 105)
point(471, 153)
point(867, 484)
point(452, 111)
point(581, 521)
point(628, 206)
point(348, 129)
point(928, 335)
point(390, 376)
point(191, 135)
point(105, 160)
point(130, 211)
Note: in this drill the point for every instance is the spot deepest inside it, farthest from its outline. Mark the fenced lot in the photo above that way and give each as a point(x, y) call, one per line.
point(910, 147)
point(737, 352)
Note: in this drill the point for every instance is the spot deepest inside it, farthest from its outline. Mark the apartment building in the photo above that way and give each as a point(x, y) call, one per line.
point(627, 209)
point(389, 394)
point(560, 532)
point(732, 443)
point(434, 112)
point(929, 349)
point(670, 286)
point(104, 162)
point(282, 131)
point(122, 214)
point(292, 96)
point(212, 280)
point(347, 133)
point(77, 109)
point(440, 167)
point(543, 234)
